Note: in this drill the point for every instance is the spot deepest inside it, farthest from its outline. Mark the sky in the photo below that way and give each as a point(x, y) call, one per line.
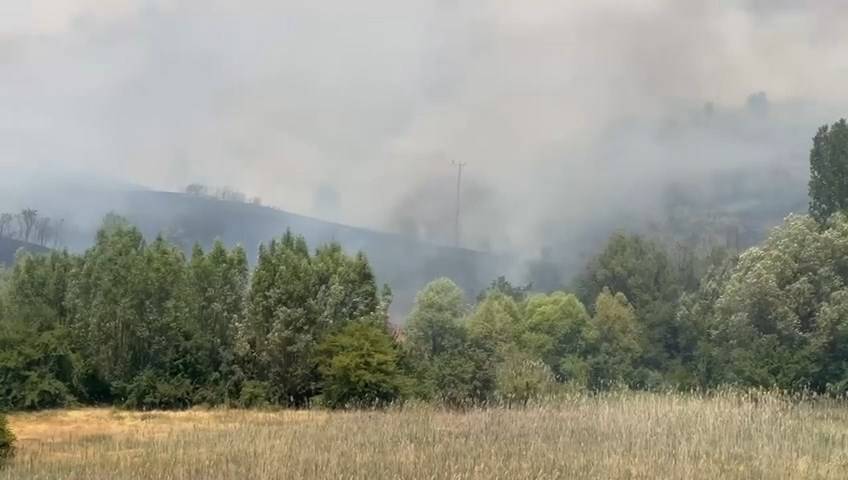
point(355, 111)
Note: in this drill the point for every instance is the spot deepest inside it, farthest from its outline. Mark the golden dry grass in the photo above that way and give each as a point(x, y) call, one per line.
point(617, 436)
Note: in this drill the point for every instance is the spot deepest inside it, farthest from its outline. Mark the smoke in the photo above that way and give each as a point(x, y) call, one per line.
point(569, 114)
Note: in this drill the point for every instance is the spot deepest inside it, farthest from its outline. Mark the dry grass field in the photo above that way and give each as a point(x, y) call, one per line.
point(612, 437)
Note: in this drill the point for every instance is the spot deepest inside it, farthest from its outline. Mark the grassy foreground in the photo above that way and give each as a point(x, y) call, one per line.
point(617, 436)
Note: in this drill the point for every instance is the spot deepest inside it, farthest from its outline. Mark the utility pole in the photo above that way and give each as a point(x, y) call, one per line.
point(456, 231)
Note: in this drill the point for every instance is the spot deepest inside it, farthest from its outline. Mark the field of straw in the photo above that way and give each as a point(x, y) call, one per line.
point(612, 437)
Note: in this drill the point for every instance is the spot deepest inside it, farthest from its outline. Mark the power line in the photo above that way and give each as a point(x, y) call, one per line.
point(456, 230)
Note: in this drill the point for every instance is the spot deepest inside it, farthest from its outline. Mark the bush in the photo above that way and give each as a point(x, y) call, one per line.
point(359, 367)
point(148, 391)
point(463, 378)
point(254, 394)
point(34, 369)
point(521, 379)
point(7, 440)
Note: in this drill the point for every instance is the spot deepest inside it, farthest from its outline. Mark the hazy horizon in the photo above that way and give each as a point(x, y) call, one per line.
point(353, 113)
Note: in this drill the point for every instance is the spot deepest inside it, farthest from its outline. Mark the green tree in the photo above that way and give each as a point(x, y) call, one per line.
point(641, 270)
point(434, 325)
point(449, 366)
point(829, 171)
point(129, 311)
point(105, 303)
point(280, 333)
point(217, 286)
point(38, 287)
point(38, 368)
point(294, 300)
point(346, 288)
point(616, 341)
point(359, 366)
point(497, 320)
point(558, 331)
point(218, 283)
point(780, 319)
point(699, 361)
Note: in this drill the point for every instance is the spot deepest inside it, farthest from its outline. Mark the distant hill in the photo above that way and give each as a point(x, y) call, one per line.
point(9, 247)
point(404, 263)
point(734, 209)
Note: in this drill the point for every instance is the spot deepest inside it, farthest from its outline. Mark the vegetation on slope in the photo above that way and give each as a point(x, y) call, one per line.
point(141, 325)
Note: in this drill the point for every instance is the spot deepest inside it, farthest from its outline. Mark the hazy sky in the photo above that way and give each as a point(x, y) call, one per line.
point(555, 105)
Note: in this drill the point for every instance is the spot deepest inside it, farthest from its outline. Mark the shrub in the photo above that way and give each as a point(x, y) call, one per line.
point(7, 440)
point(463, 378)
point(148, 391)
point(521, 379)
point(254, 394)
point(359, 366)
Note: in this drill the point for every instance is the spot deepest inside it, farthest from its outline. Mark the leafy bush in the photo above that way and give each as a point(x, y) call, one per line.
point(148, 391)
point(781, 318)
point(521, 378)
point(7, 440)
point(359, 366)
point(464, 377)
point(254, 394)
point(32, 369)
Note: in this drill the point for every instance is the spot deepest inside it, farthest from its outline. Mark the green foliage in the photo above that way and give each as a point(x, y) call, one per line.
point(434, 326)
point(37, 364)
point(449, 365)
point(497, 321)
point(113, 297)
point(462, 377)
point(615, 340)
point(278, 337)
point(294, 300)
point(136, 324)
point(254, 394)
point(7, 440)
point(558, 332)
point(699, 364)
point(151, 390)
point(216, 297)
point(359, 366)
point(521, 378)
point(829, 171)
point(634, 266)
point(642, 271)
point(780, 319)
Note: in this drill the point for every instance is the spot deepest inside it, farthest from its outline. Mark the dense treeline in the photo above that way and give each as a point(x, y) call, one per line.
point(142, 325)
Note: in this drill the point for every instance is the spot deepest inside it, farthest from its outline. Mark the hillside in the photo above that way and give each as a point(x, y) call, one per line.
point(9, 247)
point(404, 263)
point(735, 209)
